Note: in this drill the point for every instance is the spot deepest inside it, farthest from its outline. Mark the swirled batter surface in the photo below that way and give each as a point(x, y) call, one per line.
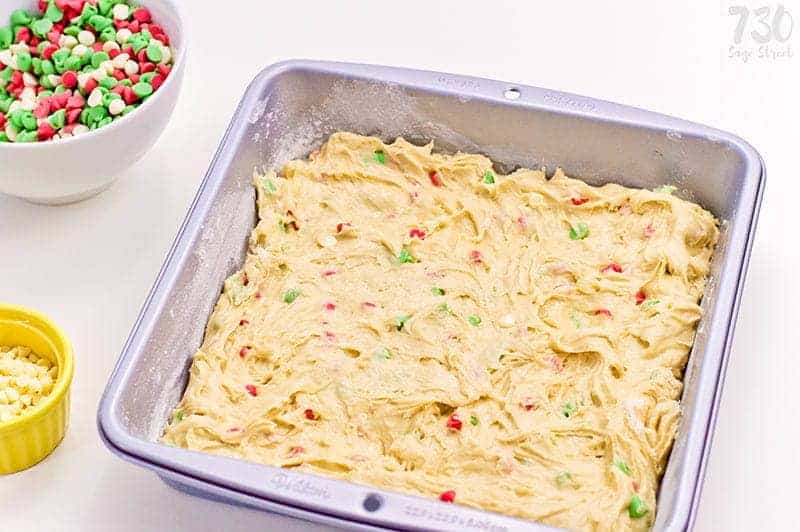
point(419, 322)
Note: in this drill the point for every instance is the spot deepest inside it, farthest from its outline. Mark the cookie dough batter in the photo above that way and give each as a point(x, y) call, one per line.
point(419, 322)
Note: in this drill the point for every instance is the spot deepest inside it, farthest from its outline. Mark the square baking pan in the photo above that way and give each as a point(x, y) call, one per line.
point(287, 111)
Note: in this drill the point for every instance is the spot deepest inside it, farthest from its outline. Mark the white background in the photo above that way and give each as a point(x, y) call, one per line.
point(90, 265)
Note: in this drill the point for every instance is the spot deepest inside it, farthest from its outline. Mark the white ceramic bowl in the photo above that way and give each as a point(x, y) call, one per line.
point(75, 168)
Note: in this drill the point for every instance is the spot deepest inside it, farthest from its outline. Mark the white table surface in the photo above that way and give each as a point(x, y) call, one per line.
point(90, 265)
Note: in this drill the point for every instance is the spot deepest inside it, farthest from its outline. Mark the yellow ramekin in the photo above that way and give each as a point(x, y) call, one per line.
point(29, 438)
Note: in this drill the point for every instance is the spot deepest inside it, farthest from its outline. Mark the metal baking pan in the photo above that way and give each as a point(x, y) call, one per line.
point(287, 111)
